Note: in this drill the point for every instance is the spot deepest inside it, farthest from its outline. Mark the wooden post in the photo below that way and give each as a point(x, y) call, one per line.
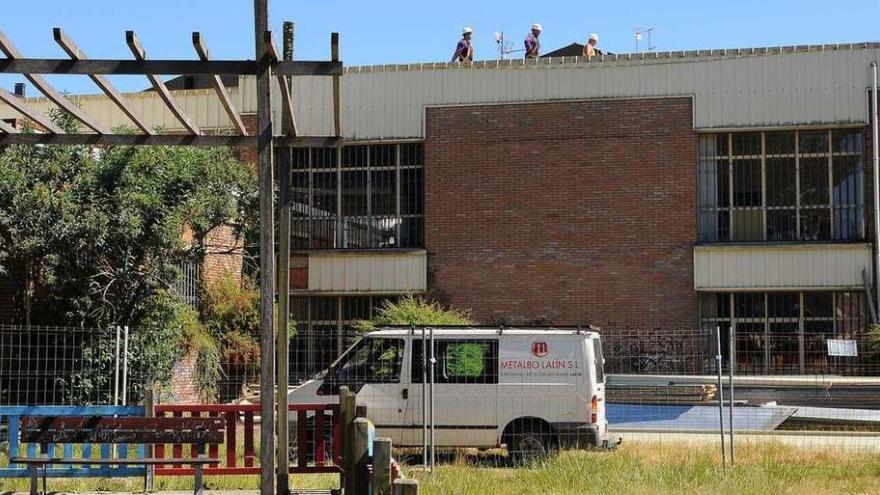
point(283, 322)
point(347, 415)
point(361, 456)
point(149, 412)
point(267, 250)
point(406, 487)
point(381, 466)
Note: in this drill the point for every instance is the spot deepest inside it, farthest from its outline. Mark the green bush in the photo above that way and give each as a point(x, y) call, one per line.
point(410, 310)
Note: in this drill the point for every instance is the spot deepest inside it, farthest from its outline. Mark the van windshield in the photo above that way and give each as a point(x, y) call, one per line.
point(371, 360)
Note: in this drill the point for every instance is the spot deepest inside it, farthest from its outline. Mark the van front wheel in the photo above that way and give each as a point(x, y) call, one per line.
point(528, 440)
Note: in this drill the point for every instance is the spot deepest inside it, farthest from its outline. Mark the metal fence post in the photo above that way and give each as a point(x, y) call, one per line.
point(149, 412)
point(720, 400)
point(730, 360)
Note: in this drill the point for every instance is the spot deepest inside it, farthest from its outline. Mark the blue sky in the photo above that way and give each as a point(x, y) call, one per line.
point(399, 31)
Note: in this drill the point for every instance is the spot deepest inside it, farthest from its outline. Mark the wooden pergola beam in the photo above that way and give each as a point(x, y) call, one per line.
point(75, 53)
point(44, 87)
point(8, 129)
point(286, 102)
point(135, 45)
point(162, 67)
point(164, 140)
point(16, 103)
point(219, 88)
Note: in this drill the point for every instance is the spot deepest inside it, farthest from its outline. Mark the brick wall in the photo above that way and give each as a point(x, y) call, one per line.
point(564, 212)
point(224, 254)
point(183, 382)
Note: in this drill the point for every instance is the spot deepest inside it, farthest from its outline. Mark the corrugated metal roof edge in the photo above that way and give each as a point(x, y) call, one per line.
point(628, 59)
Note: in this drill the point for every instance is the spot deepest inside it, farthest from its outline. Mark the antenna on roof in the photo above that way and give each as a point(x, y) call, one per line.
point(505, 47)
point(639, 34)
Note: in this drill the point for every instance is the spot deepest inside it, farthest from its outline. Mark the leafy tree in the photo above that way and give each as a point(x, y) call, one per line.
point(93, 235)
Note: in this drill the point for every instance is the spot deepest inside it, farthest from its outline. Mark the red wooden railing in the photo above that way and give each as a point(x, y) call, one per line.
point(311, 445)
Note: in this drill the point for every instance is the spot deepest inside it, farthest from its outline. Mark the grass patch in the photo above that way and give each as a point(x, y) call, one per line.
point(643, 468)
point(635, 468)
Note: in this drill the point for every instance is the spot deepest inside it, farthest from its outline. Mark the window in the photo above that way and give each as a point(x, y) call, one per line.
point(459, 361)
point(372, 360)
point(600, 360)
point(362, 197)
point(782, 186)
point(325, 328)
point(787, 332)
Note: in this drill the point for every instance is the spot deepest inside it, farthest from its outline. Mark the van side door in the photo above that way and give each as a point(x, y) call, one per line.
point(465, 391)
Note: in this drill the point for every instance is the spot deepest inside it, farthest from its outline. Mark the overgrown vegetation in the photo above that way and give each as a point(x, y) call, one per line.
point(96, 238)
point(411, 310)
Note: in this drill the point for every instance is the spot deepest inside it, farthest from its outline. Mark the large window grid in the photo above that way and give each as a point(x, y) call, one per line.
point(325, 328)
point(362, 197)
point(787, 332)
point(782, 186)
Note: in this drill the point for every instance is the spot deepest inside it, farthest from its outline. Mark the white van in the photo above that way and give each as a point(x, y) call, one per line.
point(531, 389)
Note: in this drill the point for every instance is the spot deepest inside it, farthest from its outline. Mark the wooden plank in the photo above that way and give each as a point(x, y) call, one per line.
point(162, 67)
point(381, 482)
point(8, 129)
point(13, 436)
point(320, 441)
point(219, 88)
point(102, 82)
point(248, 439)
point(120, 430)
point(230, 439)
point(18, 105)
point(160, 139)
point(59, 423)
point(266, 181)
point(121, 461)
point(289, 120)
point(44, 87)
point(135, 45)
point(302, 439)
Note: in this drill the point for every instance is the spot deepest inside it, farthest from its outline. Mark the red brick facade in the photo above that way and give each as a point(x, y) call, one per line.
point(564, 212)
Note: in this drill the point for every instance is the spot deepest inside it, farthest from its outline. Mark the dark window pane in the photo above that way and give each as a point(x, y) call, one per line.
point(849, 197)
point(749, 305)
point(299, 157)
point(383, 188)
point(818, 305)
point(412, 232)
point(747, 144)
point(324, 189)
point(411, 191)
point(354, 156)
point(324, 158)
point(780, 143)
point(813, 142)
point(782, 225)
point(814, 181)
point(781, 182)
point(848, 141)
point(816, 224)
point(354, 193)
point(412, 154)
point(750, 347)
point(383, 155)
point(747, 183)
point(783, 305)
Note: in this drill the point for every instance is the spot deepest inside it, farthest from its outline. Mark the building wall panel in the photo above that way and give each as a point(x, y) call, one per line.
point(781, 267)
point(367, 272)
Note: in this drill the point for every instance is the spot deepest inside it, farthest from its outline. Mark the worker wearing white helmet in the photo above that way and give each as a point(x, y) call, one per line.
point(590, 48)
point(533, 43)
point(464, 50)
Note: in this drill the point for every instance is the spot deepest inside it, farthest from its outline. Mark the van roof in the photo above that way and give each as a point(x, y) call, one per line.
point(485, 330)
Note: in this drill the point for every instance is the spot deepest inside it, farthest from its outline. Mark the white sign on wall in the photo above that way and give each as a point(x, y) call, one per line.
point(844, 348)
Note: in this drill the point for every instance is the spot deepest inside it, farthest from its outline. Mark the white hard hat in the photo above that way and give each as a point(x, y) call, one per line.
point(467, 30)
point(537, 27)
point(594, 37)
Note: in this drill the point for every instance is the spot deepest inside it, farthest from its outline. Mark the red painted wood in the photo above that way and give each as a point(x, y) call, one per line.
point(230, 438)
point(248, 438)
point(214, 448)
point(337, 438)
point(320, 449)
point(302, 440)
point(177, 449)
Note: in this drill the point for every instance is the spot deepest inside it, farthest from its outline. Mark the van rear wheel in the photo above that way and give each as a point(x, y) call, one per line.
point(528, 441)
